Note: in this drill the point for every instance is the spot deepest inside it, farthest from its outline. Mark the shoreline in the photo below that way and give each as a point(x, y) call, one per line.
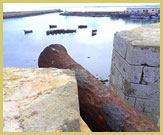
point(28, 13)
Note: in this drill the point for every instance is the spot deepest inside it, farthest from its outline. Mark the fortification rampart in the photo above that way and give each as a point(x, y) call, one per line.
point(135, 69)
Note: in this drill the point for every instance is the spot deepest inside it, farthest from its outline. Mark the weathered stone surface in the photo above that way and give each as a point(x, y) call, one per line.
point(40, 100)
point(116, 83)
point(148, 105)
point(143, 45)
point(130, 72)
point(151, 75)
point(135, 68)
point(120, 45)
point(141, 55)
point(122, 88)
point(150, 109)
point(150, 91)
point(93, 93)
point(143, 36)
point(130, 100)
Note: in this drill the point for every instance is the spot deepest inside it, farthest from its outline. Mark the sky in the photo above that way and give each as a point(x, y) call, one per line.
point(37, 6)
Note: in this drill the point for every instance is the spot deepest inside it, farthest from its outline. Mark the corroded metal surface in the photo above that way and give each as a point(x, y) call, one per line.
point(115, 116)
point(97, 103)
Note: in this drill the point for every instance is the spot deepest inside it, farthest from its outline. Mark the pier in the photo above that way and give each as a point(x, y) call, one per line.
point(28, 13)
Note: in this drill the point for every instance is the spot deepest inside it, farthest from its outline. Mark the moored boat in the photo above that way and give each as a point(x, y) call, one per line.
point(52, 26)
point(69, 31)
point(82, 26)
point(60, 31)
point(93, 33)
point(28, 31)
point(94, 30)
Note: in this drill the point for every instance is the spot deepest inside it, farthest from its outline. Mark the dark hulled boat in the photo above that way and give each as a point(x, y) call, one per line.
point(28, 31)
point(82, 26)
point(52, 26)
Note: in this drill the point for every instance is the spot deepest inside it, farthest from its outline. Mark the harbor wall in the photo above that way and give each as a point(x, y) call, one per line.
point(28, 13)
point(135, 69)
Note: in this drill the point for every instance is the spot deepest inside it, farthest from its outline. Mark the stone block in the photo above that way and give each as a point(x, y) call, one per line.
point(40, 100)
point(145, 91)
point(151, 75)
point(149, 108)
point(130, 72)
point(120, 45)
point(116, 82)
point(141, 45)
point(143, 55)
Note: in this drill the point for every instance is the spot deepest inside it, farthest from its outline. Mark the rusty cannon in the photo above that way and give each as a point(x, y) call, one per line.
point(100, 107)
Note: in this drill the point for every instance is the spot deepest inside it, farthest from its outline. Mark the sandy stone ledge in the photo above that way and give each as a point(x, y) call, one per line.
point(40, 100)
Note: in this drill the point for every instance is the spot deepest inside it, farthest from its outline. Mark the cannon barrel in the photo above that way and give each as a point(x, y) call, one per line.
point(100, 107)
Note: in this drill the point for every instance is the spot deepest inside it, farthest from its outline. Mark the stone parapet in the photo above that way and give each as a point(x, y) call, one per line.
point(40, 100)
point(135, 69)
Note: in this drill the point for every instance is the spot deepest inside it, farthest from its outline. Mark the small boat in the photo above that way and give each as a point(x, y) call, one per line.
point(60, 31)
point(82, 26)
point(94, 33)
point(47, 32)
point(69, 31)
point(94, 30)
point(28, 31)
point(52, 26)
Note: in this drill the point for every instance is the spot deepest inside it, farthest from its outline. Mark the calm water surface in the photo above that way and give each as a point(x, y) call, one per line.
point(20, 50)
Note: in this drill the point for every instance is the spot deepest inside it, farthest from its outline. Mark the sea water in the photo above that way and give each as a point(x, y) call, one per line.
point(94, 53)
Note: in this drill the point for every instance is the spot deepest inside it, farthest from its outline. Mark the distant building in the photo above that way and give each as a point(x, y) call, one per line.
point(141, 10)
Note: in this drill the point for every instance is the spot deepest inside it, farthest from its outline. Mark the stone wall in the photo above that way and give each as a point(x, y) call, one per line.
point(40, 100)
point(135, 69)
